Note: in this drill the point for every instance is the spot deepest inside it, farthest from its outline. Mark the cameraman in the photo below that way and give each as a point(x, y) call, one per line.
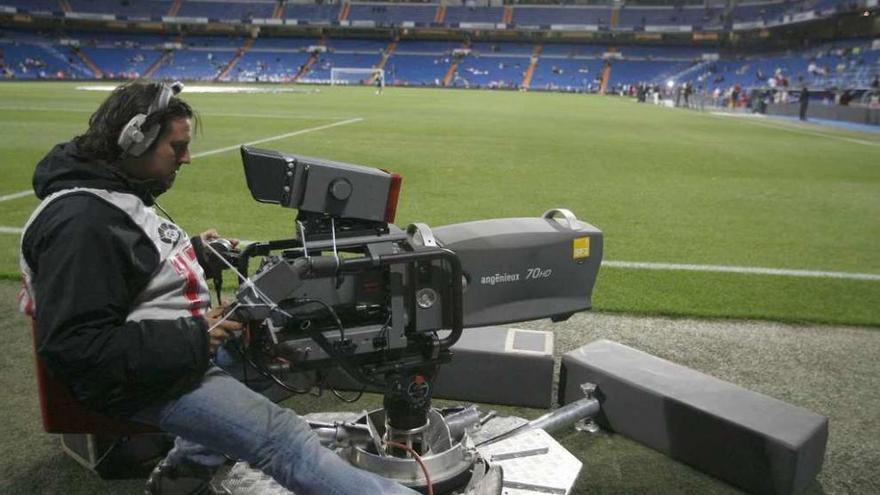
point(122, 306)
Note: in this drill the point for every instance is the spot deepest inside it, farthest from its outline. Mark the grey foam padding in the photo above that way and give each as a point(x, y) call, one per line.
point(500, 365)
point(496, 365)
point(753, 441)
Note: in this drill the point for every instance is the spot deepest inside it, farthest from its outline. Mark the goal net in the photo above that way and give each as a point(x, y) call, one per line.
point(354, 76)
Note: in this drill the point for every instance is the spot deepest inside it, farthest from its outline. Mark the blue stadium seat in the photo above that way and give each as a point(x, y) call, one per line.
point(527, 15)
point(385, 14)
point(142, 9)
point(236, 11)
point(318, 14)
point(457, 15)
point(416, 70)
point(567, 74)
point(40, 60)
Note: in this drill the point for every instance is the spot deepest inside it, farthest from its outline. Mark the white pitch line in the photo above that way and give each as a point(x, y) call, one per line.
point(677, 266)
point(272, 116)
point(14, 108)
point(798, 130)
point(742, 269)
point(201, 114)
point(275, 138)
point(17, 195)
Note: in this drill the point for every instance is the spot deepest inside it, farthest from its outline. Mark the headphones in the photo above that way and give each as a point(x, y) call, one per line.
point(133, 139)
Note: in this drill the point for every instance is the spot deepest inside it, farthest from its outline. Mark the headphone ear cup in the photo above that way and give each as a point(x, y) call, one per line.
point(131, 134)
point(147, 138)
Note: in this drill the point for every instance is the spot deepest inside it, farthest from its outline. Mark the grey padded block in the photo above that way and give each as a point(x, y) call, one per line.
point(500, 365)
point(756, 442)
point(496, 365)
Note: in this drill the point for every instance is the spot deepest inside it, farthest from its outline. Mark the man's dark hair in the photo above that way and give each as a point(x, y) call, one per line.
point(126, 101)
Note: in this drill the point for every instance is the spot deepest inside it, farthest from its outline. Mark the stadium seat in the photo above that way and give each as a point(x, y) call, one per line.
point(113, 448)
point(62, 413)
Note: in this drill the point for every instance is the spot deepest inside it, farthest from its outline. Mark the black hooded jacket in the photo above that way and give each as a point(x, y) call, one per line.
point(89, 263)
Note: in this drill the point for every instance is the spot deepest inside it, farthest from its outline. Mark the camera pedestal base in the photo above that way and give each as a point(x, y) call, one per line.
point(523, 463)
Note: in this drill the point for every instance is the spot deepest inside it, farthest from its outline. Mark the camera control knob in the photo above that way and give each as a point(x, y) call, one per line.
point(340, 189)
point(426, 298)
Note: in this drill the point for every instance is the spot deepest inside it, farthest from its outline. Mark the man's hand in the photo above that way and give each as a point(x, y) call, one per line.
point(211, 235)
point(221, 331)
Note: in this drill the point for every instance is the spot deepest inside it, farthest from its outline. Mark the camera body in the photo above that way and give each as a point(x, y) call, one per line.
point(358, 292)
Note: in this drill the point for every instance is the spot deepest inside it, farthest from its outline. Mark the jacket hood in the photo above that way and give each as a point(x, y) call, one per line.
point(65, 168)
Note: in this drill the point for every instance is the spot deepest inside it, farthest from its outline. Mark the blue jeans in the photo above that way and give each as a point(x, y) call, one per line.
point(223, 416)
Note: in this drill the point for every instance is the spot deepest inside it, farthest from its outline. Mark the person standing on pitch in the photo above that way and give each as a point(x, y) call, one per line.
point(804, 100)
point(123, 314)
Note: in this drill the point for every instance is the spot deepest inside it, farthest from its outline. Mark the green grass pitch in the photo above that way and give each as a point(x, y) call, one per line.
point(665, 186)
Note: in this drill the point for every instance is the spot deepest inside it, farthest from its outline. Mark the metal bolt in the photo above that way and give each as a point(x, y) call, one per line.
point(589, 389)
point(587, 425)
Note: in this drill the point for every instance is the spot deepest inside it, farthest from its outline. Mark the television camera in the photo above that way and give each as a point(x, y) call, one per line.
point(386, 305)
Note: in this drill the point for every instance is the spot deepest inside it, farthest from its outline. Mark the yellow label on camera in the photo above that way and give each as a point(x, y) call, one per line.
point(581, 248)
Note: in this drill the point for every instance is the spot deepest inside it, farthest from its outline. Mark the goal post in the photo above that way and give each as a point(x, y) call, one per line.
point(354, 76)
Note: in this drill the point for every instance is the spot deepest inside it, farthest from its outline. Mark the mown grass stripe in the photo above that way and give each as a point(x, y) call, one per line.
point(741, 269)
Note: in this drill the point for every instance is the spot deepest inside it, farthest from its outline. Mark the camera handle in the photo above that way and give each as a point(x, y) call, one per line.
point(569, 217)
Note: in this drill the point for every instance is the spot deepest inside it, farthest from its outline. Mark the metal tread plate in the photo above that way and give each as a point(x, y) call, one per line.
point(534, 463)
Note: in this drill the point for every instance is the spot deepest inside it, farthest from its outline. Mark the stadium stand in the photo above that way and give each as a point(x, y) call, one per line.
point(25, 60)
point(491, 71)
point(642, 71)
point(312, 13)
point(761, 11)
point(832, 65)
point(567, 74)
point(269, 66)
point(122, 63)
point(542, 64)
point(429, 47)
point(152, 9)
point(489, 64)
point(544, 17)
point(393, 14)
point(503, 49)
point(235, 11)
point(265, 43)
point(50, 6)
point(469, 15)
point(641, 17)
point(213, 42)
point(199, 65)
point(357, 46)
point(667, 52)
point(408, 69)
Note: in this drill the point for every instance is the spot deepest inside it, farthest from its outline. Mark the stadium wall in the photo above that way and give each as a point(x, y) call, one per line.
point(856, 115)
